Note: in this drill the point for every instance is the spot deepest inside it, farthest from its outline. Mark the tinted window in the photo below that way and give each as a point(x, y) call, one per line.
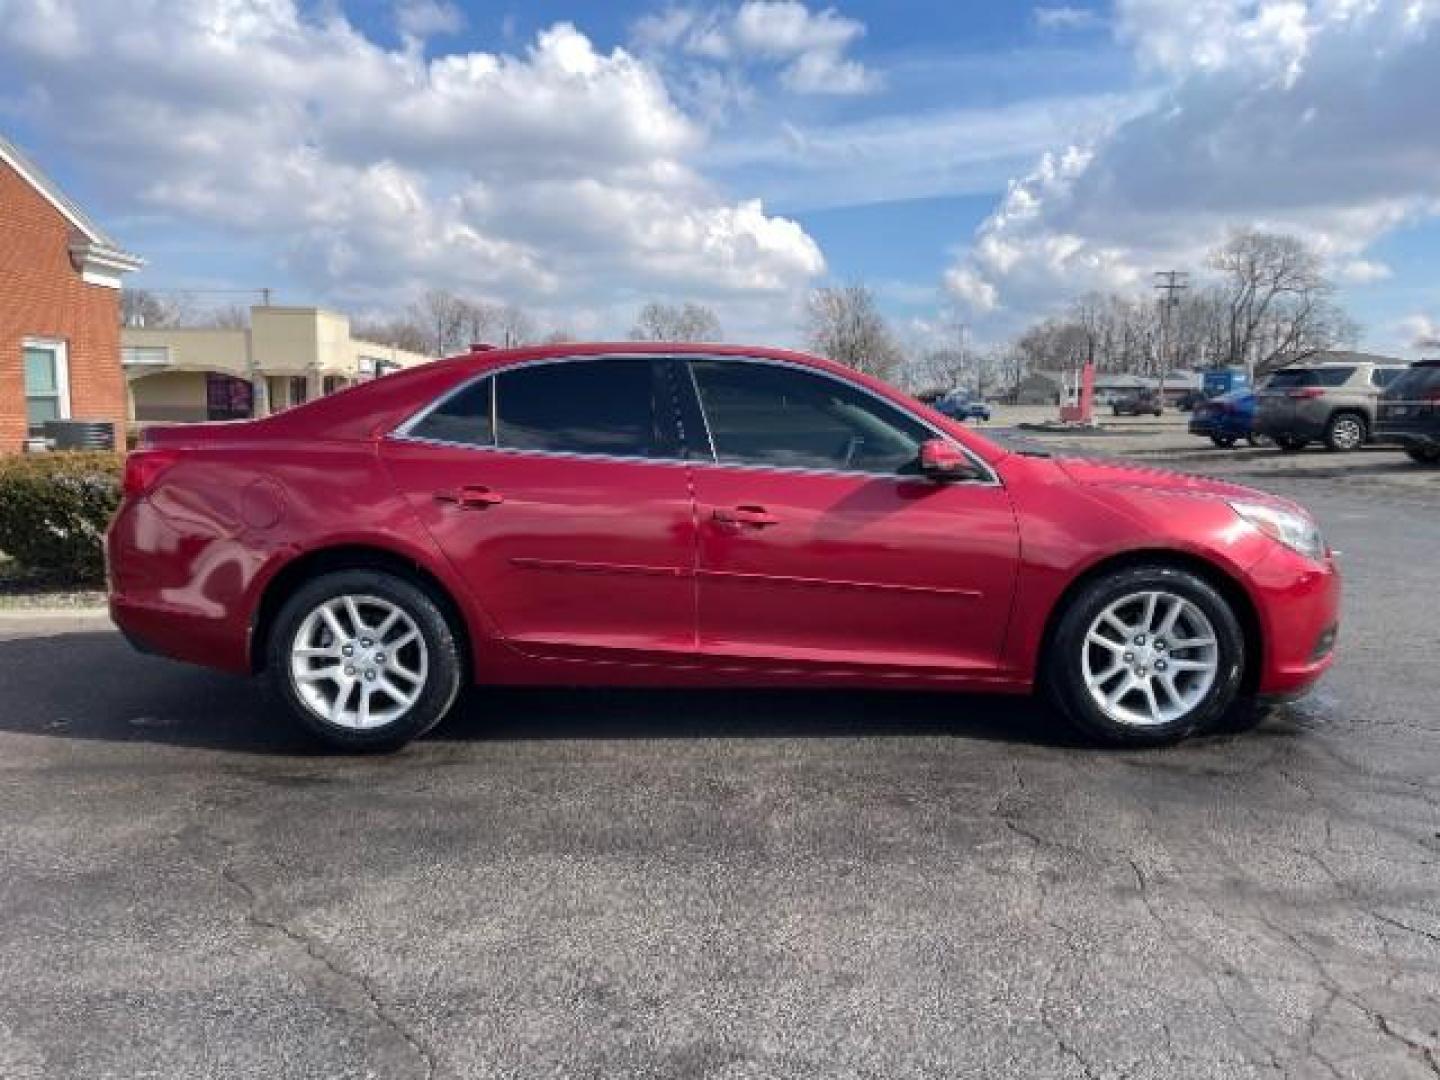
point(584, 407)
point(1293, 378)
point(1384, 376)
point(1416, 384)
point(764, 414)
point(461, 418)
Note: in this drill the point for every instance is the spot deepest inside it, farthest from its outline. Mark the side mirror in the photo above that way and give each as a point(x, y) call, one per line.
point(943, 462)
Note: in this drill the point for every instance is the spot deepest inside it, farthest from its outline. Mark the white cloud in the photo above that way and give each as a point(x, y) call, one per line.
point(1065, 18)
point(809, 46)
point(427, 18)
point(915, 155)
point(1420, 333)
point(1308, 118)
point(562, 175)
point(1362, 271)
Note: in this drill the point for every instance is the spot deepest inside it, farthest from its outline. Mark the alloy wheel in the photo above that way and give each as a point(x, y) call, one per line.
point(358, 662)
point(1346, 433)
point(1150, 658)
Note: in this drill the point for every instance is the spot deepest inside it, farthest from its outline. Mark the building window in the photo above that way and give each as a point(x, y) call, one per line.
point(144, 355)
point(227, 398)
point(47, 384)
point(299, 389)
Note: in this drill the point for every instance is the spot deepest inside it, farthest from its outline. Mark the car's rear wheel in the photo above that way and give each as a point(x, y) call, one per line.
point(364, 659)
point(1225, 442)
point(1345, 432)
point(1424, 455)
point(1290, 444)
point(1146, 656)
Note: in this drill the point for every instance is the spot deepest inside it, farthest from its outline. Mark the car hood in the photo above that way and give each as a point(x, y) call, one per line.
point(1115, 474)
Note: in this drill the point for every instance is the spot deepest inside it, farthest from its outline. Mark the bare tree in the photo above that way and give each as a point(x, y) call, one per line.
point(514, 326)
point(142, 308)
point(229, 317)
point(676, 322)
point(845, 325)
point(400, 333)
point(446, 318)
point(1278, 302)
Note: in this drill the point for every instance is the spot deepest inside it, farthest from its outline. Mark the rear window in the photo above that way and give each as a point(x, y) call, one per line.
point(463, 418)
point(607, 406)
point(1296, 378)
point(1416, 383)
point(1384, 376)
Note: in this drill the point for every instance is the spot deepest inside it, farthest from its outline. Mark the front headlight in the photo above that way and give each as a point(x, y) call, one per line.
point(1293, 528)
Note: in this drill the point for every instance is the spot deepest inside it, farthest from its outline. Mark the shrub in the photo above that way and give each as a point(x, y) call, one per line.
point(54, 509)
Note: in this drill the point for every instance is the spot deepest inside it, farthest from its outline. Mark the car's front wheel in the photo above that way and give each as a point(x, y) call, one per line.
point(1146, 656)
point(364, 659)
point(1225, 442)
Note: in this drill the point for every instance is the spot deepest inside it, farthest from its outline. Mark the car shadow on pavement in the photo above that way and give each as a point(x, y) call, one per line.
point(92, 686)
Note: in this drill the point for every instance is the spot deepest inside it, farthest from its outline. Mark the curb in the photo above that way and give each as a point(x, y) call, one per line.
point(60, 614)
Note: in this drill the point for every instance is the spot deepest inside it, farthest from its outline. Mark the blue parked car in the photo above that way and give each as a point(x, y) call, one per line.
point(1227, 419)
point(959, 405)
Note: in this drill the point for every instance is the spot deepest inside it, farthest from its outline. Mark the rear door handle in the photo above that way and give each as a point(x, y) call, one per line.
point(471, 497)
point(755, 517)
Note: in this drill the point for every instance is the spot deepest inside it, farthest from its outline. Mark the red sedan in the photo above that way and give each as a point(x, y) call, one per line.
point(661, 515)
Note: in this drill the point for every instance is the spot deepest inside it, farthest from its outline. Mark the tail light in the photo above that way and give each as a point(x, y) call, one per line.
point(1306, 393)
point(143, 469)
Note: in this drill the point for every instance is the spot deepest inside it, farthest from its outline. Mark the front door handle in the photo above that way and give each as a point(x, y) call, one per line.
point(755, 517)
point(471, 497)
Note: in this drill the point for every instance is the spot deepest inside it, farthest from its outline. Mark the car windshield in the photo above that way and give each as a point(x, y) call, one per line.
point(1296, 378)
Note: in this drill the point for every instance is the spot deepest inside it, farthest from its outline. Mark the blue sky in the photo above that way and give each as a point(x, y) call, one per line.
point(975, 160)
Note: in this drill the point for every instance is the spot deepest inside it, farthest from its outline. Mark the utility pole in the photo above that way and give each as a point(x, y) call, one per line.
point(1171, 283)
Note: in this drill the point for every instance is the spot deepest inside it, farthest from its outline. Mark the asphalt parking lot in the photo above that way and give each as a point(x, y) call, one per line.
point(735, 884)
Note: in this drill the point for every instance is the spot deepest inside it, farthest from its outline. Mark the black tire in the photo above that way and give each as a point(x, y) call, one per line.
point(443, 676)
point(1064, 676)
point(1423, 455)
point(1225, 442)
point(1345, 432)
point(1290, 444)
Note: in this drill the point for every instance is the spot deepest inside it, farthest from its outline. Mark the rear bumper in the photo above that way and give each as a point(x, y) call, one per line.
point(175, 595)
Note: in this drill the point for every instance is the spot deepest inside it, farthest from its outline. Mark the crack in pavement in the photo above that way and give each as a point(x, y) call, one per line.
point(321, 955)
point(374, 1006)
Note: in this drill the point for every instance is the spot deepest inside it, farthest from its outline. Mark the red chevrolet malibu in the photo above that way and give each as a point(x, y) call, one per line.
point(662, 515)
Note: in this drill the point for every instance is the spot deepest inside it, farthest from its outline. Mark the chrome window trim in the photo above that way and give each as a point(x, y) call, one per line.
point(402, 432)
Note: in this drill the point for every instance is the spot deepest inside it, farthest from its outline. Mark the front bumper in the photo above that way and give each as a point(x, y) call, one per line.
point(1298, 602)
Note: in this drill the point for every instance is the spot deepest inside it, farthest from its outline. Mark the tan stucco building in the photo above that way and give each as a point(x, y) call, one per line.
point(287, 356)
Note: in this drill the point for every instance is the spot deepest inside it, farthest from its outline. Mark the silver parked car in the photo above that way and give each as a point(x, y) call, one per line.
point(1333, 401)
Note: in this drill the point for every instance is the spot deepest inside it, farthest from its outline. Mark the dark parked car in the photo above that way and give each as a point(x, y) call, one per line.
point(1332, 402)
point(1227, 419)
point(1410, 413)
point(1139, 403)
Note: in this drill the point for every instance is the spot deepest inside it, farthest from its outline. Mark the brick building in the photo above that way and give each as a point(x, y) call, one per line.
point(59, 308)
